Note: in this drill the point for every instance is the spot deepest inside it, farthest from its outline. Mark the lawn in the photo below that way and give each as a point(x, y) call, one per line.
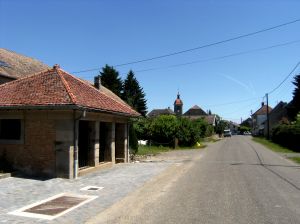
point(295, 159)
point(271, 145)
point(154, 150)
point(275, 147)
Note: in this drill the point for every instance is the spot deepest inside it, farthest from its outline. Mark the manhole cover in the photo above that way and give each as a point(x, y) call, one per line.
point(91, 188)
point(53, 207)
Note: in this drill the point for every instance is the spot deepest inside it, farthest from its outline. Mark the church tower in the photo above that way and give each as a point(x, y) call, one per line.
point(178, 104)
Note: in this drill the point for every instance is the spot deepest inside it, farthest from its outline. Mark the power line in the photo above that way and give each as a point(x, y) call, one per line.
point(199, 47)
point(285, 78)
point(214, 58)
point(233, 102)
point(221, 57)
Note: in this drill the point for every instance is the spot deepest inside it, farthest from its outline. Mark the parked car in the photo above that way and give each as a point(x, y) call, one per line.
point(227, 133)
point(247, 133)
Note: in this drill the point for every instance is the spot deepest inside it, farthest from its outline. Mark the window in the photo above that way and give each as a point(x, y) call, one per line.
point(10, 129)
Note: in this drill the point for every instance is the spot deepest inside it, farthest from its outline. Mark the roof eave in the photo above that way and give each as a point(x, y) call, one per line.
point(65, 107)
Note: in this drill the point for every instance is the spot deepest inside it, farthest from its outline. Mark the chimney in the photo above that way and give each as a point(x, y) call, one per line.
point(97, 81)
point(56, 66)
point(262, 104)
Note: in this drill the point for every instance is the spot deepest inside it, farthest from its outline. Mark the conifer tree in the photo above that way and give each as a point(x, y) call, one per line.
point(294, 106)
point(111, 80)
point(133, 94)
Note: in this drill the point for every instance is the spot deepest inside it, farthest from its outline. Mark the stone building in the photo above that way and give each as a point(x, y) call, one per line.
point(54, 124)
point(178, 106)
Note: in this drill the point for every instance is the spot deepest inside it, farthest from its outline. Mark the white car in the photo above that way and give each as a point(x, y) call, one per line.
point(227, 133)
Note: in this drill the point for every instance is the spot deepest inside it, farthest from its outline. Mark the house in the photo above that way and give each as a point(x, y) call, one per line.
point(196, 112)
point(278, 115)
point(234, 127)
point(158, 112)
point(54, 124)
point(14, 66)
point(259, 118)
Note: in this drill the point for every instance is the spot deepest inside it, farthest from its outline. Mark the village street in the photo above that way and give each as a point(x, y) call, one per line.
point(232, 181)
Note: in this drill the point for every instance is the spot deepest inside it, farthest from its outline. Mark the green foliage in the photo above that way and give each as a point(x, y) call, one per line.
point(142, 128)
point(163, 129)
point(294, 106)
point(271, 145)
point(133, 141)
point(133, 94)
point(288, 135)
point(111, 80)
point(221, 126)
point(242, 129)
point(209, 131)
point(187, 133)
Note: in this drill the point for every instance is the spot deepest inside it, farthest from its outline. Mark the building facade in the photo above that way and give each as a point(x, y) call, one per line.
point(54, 124)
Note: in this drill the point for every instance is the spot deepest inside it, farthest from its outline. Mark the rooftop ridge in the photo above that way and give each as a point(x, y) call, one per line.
point(65, 83)
point(94, 89)
point(46, 71)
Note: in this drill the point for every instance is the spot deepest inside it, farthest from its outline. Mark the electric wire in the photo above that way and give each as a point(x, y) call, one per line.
point(285, 78)
point(220, 57)
point(199, 47)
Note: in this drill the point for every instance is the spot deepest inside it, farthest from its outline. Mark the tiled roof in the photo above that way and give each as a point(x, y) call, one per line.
point(263, 110)
point(14, 65)
point(210, 119)
point(56, 88)
point(195, 111)
point(157, 112)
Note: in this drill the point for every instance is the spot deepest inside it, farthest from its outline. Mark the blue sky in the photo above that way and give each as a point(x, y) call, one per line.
point(81, 35)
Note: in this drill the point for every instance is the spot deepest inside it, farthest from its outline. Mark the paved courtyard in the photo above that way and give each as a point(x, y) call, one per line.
point(117, 182)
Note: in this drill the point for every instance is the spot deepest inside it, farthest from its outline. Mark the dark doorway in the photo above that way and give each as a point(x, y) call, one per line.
point(120, 143)
point(105, 140)
point(83, 143)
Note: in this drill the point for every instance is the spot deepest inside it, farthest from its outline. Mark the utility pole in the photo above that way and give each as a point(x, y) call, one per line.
point(268, 122)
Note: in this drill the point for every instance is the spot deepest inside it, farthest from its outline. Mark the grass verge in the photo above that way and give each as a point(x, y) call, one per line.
point(154, 150)
point(295, 159)
point(271, 145)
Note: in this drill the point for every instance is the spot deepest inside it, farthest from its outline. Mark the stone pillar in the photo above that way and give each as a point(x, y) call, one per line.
point(126, 151)
point(112, 143)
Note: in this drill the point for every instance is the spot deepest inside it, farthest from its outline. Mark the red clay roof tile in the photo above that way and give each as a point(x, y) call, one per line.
point(55, 87)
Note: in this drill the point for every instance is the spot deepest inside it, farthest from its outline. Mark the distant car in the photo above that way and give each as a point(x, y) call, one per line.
point(247, 133)
point(227, 133)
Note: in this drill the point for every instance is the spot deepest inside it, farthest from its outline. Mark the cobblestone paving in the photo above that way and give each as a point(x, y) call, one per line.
point(117, 181)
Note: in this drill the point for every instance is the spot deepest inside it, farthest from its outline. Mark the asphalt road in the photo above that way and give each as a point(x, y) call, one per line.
point(233, 181)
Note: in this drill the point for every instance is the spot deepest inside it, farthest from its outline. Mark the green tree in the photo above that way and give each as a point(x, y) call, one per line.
point(133, 141)
point(133, 94)
point(294, 106)
point(221, 126)
point(163, 130)
point(111, 80)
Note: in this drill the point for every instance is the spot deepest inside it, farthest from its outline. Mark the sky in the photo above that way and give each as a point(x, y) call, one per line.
point(230, 79)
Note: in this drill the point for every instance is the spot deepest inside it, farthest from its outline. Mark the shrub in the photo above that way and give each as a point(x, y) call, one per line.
point(163, 130)
point(133, 141)
point(288, 135)
point(188, 133)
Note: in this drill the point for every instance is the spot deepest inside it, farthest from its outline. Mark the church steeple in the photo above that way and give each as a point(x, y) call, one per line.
point(178, 104)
